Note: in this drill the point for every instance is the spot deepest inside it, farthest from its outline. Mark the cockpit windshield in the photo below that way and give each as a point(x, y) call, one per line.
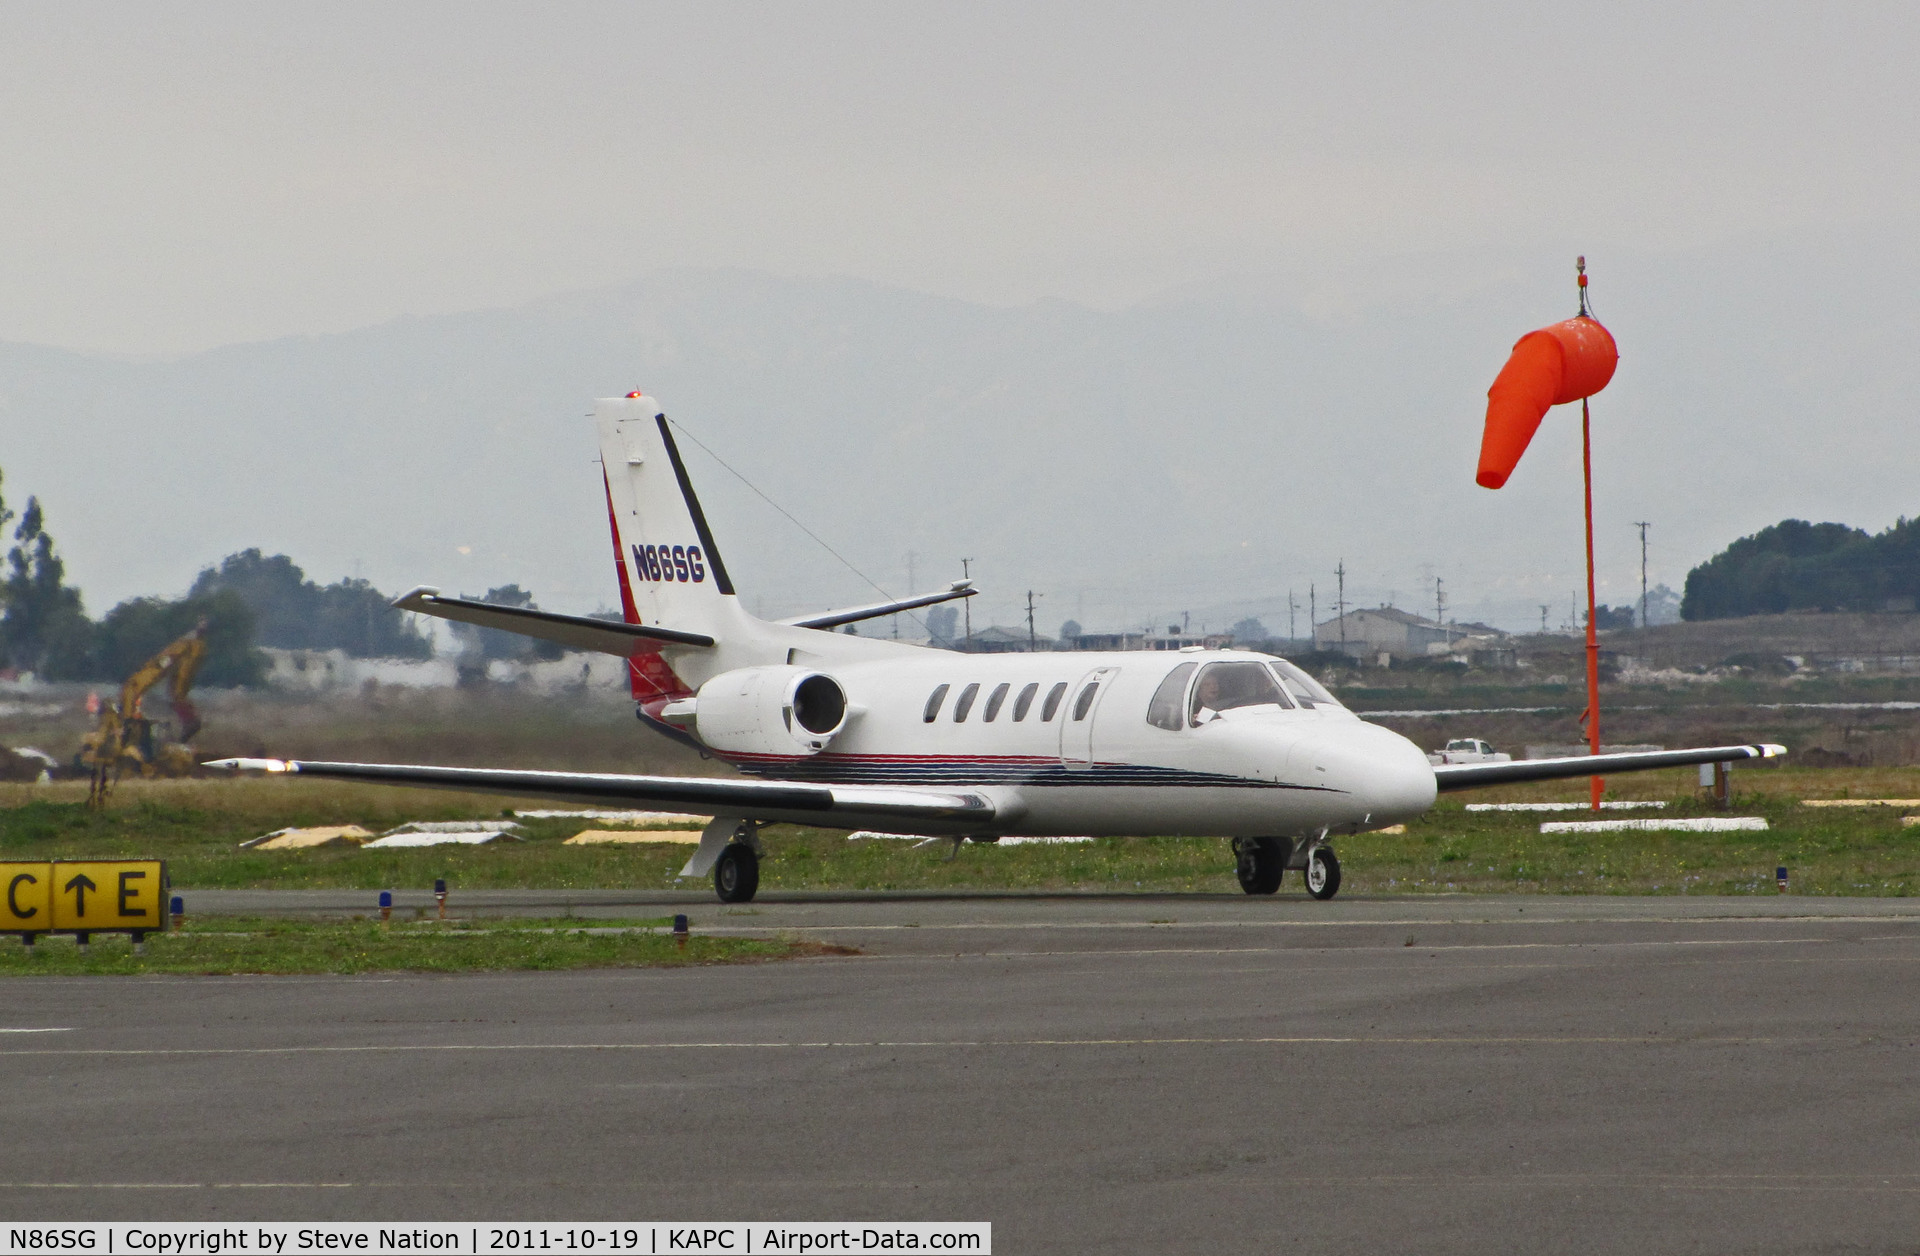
point(1227, 686)
point(1308, 691)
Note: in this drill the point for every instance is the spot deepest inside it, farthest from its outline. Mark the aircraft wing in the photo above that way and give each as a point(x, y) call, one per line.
point(854, 614)
point(582, 632)
point(828, 806)
point(1473, 775)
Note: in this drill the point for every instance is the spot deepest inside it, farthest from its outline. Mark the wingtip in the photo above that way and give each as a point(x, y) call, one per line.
point(250, 765)
point(415, 595)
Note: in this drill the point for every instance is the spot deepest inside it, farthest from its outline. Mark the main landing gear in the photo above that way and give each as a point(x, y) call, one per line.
point(1260, 863)
point(736, 876)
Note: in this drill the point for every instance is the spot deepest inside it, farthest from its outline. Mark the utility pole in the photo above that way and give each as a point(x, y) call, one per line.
point(1340, 606)
point(1292, 606)
point(1033, 640)
point(1643, 573)
point(966, 603)
point(1440, 607)
point(1186, 620)
point(1313, 616)
point(1543, 618)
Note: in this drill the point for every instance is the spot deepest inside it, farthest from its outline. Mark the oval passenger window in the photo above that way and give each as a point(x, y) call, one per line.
point(933, 704)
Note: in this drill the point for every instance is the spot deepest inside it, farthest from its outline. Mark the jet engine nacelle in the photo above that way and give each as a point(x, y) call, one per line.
point(770, 710)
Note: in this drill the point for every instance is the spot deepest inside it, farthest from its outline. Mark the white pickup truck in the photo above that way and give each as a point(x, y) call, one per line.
point(1467, 750)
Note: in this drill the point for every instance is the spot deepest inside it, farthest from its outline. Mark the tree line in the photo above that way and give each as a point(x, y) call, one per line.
point(248, 600)
point(1799, 566)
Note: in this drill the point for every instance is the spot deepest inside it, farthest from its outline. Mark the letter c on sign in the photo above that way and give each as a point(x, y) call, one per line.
point(13, 902)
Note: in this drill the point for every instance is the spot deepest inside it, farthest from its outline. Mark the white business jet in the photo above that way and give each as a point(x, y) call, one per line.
point(845, 731)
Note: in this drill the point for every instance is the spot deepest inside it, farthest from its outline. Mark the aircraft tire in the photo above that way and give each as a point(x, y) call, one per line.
point(1323, 873)
point(736, 877)
point(1259, 862)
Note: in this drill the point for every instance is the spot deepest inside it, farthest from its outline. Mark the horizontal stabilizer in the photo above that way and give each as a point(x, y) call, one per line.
point(581, 632)
point(1474, 775)
point(854, 614)
point(831, 806)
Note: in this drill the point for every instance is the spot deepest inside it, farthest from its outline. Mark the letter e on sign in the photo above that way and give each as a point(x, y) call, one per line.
point(28, 904)
point(109, 894)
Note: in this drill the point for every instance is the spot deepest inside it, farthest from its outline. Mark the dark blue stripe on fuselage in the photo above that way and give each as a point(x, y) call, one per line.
point(836, 770)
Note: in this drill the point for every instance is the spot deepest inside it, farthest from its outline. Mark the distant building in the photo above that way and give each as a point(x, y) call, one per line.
point(320, 671)
point(1147, 639)
point(998, 640)
point(1391, 631)
point(334, 671)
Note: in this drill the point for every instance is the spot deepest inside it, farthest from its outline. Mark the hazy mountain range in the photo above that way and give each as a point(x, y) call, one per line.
point(1204, 452)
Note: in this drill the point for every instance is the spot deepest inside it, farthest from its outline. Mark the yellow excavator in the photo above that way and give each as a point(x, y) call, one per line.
point(124, 741)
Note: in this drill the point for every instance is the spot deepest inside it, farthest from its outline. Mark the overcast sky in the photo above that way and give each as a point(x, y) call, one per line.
point(180, 176)
point(1744, 177)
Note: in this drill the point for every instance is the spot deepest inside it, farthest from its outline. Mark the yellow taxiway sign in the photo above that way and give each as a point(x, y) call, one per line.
point(84, 895)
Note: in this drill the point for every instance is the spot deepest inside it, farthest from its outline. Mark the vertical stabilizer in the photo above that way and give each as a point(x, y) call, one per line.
point(670, 568)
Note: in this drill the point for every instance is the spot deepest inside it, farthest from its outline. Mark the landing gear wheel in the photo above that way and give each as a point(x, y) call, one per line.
point(1259, 862)
point(736, 877)
point(1323, 873)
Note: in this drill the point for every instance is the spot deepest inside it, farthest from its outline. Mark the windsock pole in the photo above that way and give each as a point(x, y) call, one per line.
point(1595, 786)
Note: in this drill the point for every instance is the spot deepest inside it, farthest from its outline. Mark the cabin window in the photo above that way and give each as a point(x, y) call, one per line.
point(938, 696)
point(1084, 703)
point(965, 702)
point(1024, 702)
point(994, 700)
point(1306, 690)
point(1170, 698)
point(1052, 703)
point(1227, 686)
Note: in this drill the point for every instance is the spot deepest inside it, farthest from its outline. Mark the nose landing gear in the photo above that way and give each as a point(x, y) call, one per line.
point(1323, 873)
point(1261, 862)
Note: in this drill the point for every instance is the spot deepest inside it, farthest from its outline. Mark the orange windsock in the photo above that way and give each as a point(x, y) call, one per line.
point(1549, 367)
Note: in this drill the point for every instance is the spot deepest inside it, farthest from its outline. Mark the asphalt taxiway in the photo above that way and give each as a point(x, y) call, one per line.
point(1090, 1073)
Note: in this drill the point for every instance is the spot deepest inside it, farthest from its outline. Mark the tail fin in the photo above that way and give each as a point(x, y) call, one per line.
point(671, 575)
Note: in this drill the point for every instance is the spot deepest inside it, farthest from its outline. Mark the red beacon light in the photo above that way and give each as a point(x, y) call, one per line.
point(635, 395)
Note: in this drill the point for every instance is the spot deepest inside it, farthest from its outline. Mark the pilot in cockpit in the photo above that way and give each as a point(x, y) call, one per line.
point(1224, 686)
point(1208, 700)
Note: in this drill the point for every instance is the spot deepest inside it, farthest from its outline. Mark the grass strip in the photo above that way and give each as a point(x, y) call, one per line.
point(197, 826)
point(217, 946)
